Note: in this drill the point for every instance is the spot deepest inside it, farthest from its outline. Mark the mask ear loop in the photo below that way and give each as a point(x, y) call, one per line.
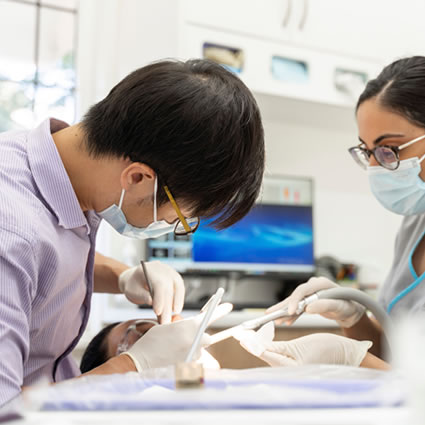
point(155, 190)
point(121, 199)
point(422, 158)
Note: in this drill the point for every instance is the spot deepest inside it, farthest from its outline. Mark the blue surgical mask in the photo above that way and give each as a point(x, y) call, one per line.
point(401, 191)
point(115, 217)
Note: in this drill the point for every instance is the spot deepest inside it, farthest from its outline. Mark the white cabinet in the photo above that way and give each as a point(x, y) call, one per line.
point(304, 49)
point(318, 85)
point(317, 39)
point(269, 18)
point(344, 27)
point(378, 30)
point(370, 29)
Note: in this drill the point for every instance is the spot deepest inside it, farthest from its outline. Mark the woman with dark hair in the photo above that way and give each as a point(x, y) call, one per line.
point(390, 116)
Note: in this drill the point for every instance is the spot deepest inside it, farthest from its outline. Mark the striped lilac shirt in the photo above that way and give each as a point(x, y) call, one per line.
point(47, 249)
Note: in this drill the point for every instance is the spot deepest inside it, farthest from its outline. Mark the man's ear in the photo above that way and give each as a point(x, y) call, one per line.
point(137, 174)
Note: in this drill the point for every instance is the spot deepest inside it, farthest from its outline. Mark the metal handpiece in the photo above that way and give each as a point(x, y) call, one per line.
point(256, 323)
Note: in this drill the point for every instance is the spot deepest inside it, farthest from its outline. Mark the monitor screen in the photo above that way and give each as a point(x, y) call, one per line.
point(275, 236)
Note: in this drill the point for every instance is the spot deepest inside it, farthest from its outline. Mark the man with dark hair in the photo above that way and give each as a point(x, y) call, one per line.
point(118, 337)
point(110, 341)
point(172, 143)
point(97, 351)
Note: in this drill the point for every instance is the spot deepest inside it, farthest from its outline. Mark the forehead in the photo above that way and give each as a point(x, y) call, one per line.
point(374, 120)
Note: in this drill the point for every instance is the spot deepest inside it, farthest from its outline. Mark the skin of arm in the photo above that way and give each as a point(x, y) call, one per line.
point(367, 328)
point(372, 362)
point(106, 273)
point(118, 364)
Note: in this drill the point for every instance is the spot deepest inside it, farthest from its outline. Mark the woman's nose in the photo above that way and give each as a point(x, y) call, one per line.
point(372, 161)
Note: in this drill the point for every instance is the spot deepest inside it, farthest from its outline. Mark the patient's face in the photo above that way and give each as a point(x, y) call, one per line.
point(125, 334)
point(122, 336)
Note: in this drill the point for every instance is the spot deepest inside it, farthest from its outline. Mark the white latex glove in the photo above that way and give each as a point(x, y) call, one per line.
point(165, 345)
point(319, 348)
point(346, 313)
point(208, 361)
point(167, 284)
point(256, 342)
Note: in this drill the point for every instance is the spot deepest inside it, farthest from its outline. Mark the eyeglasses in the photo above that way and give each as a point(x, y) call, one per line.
point(184, 226)
point(135, 331)
point(386, 156)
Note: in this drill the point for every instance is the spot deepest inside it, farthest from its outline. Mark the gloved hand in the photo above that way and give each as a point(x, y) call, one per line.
point(346, 313)
point(311, 349)
point(169, 344)
point(168, 288)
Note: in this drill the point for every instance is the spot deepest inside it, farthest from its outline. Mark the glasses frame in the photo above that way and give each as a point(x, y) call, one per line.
point(182, 219)
point(395, 149)
point(124, 345)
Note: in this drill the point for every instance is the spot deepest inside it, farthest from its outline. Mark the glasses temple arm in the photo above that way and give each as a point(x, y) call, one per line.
point(177, 209)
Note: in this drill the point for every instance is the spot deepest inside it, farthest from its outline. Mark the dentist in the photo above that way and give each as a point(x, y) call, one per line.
point(172, 142)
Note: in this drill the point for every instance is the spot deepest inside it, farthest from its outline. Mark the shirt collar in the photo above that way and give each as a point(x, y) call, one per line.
point(51, 177)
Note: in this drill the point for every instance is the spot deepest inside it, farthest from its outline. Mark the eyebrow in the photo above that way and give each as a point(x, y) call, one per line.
point(384, 136)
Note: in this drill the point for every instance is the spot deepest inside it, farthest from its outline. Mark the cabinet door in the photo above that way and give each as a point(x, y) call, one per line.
point(404, 30)
point(378, 29)
point(264, 19)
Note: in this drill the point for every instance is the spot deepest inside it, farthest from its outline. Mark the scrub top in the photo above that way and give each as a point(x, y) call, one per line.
point(403, 291)
point(46, 261)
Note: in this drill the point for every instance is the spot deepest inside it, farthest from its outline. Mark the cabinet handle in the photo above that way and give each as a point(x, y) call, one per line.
point(287, 14)
point(303, 19)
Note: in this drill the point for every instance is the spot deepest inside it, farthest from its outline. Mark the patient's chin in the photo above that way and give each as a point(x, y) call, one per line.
point(208, 361)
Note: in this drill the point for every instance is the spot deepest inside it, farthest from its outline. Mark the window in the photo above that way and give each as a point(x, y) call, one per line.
point(37, 61)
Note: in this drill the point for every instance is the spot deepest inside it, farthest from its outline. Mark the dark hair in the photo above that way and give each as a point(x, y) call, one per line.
point(96, 352)
point(196, 124)
point(400, 87)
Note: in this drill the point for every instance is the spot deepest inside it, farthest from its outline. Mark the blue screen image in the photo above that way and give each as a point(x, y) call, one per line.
point(269, 234)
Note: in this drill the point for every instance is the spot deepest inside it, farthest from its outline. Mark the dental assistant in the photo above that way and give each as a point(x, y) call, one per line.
point(172, 142)
point(391, 150)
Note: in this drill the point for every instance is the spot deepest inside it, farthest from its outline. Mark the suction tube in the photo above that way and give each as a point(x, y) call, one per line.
point(350, 294)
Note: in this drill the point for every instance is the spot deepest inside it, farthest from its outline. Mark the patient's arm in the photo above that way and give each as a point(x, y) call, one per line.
point(367, 328)
point(119, 364)
point(372, 362)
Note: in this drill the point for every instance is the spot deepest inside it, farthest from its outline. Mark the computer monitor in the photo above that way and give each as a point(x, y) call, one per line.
point(276, 236)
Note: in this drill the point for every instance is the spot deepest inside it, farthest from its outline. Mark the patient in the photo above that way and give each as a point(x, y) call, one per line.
point(113, 340)
point(118, 337)
point(311, 349)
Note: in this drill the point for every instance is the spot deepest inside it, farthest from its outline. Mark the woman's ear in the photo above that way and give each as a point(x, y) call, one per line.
point(135, 174)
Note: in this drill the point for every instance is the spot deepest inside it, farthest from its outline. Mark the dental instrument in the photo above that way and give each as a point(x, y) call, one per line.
point(257, 322)
point(209, 308)
point(145, 272)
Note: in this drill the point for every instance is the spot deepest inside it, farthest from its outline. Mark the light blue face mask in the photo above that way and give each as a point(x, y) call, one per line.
point(116, 218)
point(401, 191)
